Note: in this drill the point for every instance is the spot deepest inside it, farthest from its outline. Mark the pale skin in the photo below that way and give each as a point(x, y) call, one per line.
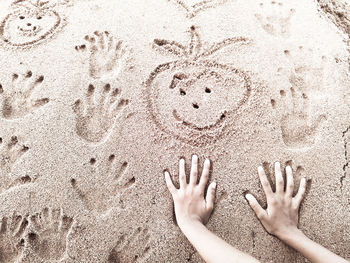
point(193, 210)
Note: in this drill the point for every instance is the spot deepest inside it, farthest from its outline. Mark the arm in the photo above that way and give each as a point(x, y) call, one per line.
point(281, 216)
point(193, 211)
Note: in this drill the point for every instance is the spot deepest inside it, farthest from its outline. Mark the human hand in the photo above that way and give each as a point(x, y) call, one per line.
point(281, 216)
point(190, 205)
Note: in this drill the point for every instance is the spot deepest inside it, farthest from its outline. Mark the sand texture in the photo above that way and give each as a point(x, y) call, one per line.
point(98, 98)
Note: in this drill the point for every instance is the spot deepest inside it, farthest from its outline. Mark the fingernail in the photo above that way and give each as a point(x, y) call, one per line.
point(195, 156)
point(214, 185)
point(303, 180)
point(248, 196)
point(207, 161)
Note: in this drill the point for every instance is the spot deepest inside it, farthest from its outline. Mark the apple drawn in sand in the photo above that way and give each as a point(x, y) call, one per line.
point(194, 98)
point(31, 23)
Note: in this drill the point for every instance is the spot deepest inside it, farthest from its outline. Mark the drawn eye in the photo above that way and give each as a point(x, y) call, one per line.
point(39, 17)
point(207, 90)
point(182, 92)
point(21, 17)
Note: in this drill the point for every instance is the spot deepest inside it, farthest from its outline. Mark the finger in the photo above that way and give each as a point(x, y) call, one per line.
point(290, 181)
point(264, 182)
point(279, 178)
point(78, 108)
point(182, 174)
point(205, 175)
point(194, 170)
point(40, 102)
point(258, 210)
point(211, 196)
point(301, 191)
point(169, 183)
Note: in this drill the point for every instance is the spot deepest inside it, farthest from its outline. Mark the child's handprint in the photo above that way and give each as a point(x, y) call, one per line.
point(307, 72)
point(16, 100)
point(48, 235)
point(133, 248)
point(99, 195)
point(12, 240)
point(10, 152)
point(275, 18)
point(299, 130)
point(96, 117)
point(106, 54)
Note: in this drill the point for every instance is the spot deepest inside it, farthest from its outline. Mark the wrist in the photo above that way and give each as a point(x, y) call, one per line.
point(288, 235)
point(187, 222)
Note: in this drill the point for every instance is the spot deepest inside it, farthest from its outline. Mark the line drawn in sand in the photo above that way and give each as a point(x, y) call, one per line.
point(16, 100)
point(194, 97)
point(275, 18)
point(10, 153)
point(133, 248)
point(49, 230)
point(299, 129)
point(32, 22)
point(12, 237)
point(107, 54)
point(193, 7)
point(99, 195)
point(307, 69)
point(97, 115)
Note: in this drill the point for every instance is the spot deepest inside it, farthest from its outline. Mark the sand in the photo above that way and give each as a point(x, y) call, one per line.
point(98, 98)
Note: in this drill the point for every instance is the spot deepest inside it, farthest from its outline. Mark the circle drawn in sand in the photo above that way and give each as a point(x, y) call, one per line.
point(194, 98)
point(30, 23)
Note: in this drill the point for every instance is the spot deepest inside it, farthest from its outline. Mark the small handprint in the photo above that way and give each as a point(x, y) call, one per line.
point(307, 69)
point(107, 54)
point(96, 117)
point(10, 153)
point(16, 100)
point(299, 130)
point(12, 241)
point(99, 195)
point(275, 18)
point(133, 248)
point(49, 230)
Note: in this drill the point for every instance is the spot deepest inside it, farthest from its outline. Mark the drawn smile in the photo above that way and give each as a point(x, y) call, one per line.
point(29, 32)
point(194, 126)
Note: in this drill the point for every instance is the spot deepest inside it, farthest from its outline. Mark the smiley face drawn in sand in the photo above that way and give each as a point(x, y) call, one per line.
point(195, 98)
point(30, 23)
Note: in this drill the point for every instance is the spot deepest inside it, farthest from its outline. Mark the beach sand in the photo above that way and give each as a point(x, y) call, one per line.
point(98, 98)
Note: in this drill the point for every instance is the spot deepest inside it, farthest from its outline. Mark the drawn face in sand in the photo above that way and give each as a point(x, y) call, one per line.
point(27, 27)
point(196, 100)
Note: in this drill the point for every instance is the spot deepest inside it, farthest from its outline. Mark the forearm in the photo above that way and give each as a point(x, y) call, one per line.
point(212, 248)
point(310, 249)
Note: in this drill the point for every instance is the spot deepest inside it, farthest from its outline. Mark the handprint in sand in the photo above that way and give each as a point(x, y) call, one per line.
point(96, 116)
point(108, 180)
point(12, 241)
point(307, 69)
point(11, 151)
point(16, 98)
point(131, 248)
point(299, 129)
point(107, 54)
point(275, 18)
point(49, 233)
